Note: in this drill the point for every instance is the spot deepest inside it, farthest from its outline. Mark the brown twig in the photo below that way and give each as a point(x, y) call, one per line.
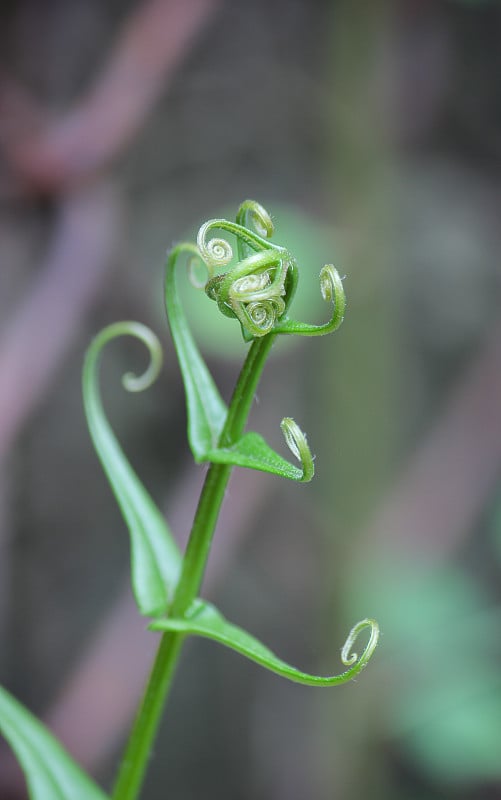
point(36, 338)
point(152, 43)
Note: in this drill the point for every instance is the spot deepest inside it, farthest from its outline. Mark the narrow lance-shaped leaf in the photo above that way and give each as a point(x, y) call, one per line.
point(155, 557)
point(206, 409)
point(205, 620)
point(51, 774)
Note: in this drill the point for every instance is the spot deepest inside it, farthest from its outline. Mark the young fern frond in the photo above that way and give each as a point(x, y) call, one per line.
point(256, 288)
point(257, 291)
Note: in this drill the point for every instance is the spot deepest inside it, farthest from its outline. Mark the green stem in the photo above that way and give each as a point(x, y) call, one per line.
point(135, 760)
point(217, 478)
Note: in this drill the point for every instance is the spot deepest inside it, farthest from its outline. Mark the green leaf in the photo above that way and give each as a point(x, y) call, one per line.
point(205, 407)
point(252, 451)
point(50, 772)
point(155, 557)
point(204, 619)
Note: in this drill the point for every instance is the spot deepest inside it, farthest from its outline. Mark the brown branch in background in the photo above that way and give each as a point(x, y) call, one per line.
point(152, 43)
point(52, 155)
point(35, 340)
point(20, 113)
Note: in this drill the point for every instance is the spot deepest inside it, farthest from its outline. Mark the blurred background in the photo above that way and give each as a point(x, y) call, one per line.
point(372, 132)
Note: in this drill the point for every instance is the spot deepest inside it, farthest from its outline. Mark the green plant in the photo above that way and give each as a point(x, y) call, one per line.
point(256, 288)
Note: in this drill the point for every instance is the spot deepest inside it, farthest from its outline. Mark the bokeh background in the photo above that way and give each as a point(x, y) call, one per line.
point(372, 132)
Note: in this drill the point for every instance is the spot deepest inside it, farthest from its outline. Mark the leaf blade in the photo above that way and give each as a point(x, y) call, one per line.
point(205, 620)
point(50, 772)
point(155, 557)
point(205, 408)
point(253, 452)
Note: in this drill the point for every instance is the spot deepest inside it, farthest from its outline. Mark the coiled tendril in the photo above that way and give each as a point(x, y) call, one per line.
point(297, 444)
point(258, 285)
point(254, 290)
point(253, 212)
point(215, 252)
point(350, 658)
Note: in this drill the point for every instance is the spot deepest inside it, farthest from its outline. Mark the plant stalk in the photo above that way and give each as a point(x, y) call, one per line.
point(141, 739)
